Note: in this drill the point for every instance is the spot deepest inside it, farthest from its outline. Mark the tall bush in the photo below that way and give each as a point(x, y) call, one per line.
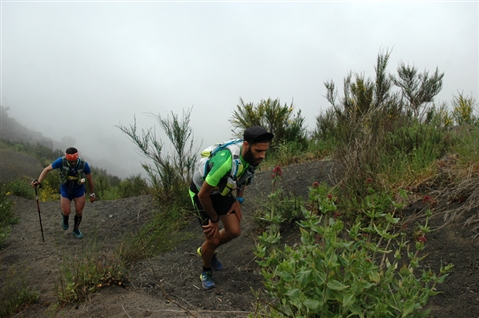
point(169, 174)
point(280, 120)
point(464, 108)
point(380, 132)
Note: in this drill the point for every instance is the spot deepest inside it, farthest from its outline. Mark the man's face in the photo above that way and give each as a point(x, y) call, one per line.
point(255, 153)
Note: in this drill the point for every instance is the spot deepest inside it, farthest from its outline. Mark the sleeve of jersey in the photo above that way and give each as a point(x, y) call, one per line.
point(221, 167)
point(87, 169)
point(57, 164)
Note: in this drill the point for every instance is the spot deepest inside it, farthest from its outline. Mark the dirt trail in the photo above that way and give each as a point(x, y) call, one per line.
point(169, 285)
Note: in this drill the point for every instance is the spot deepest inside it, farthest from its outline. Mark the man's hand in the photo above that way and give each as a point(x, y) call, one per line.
point(35, 183)
point(236, 209)
point(92, 197)
point(211, 230)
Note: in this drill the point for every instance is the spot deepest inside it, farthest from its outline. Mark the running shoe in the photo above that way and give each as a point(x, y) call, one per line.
point(207, 280)
point(78, 234)
point(215, 263)
point(64, 225)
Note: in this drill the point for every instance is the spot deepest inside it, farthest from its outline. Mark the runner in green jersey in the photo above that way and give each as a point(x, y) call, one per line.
point(212, 190)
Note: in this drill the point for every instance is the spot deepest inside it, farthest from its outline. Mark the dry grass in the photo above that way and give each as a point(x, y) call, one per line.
point(455, 183)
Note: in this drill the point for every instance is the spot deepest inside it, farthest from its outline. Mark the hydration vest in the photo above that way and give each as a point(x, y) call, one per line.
point(65, 168)
point(237, 167)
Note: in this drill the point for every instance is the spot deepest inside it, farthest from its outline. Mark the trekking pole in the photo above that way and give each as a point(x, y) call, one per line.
point(39, 215)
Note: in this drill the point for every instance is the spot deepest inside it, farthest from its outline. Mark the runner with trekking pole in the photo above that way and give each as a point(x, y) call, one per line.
point(73, 171)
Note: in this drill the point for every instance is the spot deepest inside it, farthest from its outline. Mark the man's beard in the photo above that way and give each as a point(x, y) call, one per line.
point(249, 158)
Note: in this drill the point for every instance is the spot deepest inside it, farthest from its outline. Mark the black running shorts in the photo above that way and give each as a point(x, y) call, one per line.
point(221, 204)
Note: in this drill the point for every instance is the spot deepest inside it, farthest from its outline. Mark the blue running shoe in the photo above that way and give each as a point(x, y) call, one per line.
point(64, 225)
point(215, 263)
point(78, 234)
point(207, 280)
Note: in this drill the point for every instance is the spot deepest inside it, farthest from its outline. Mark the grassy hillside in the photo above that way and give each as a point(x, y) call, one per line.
point(15, 164)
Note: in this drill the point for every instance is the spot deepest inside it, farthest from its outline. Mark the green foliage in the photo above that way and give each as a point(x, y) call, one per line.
point(374, 135)
point(22, 188)
point(288, 153)
point(169, 175)
point(133, 186)
point(154, 237)
point(278, 208)
point(91, 269)
point(442, 117)
point(88, 271)
point(104, 184)
point(15, 293)
point(47, 193)
point(7, 217)
point(466, 146)
point(373, 102)
point(338, 273)
point(38, 150)
point(102, 180)
point(418, 89)
point(463, 110)
point(276, 118)
point(412, 149)
point(110, 194)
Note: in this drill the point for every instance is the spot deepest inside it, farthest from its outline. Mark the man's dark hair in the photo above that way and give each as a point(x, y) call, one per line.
point(71, 150)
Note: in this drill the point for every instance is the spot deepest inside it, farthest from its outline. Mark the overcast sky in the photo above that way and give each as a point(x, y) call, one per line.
point(81, 68)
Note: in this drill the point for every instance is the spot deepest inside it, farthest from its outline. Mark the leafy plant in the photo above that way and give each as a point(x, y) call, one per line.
point(47, 193)
point(463, 110)
point(22, 188)
point(87, 272)
point(360, 272)
point(278, 208)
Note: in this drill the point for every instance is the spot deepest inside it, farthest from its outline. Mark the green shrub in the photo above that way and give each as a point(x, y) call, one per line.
point(133, 186)
point(278, 119)
point(154, 237)
point(87, 272)
point(15, 293)
point(47, 193)
point(278, 208)
point(336, 273)
point(6, 215)
point(110, 194)
point(288, 153)
point(22, 188)
point(463, 110)
point(169, 175)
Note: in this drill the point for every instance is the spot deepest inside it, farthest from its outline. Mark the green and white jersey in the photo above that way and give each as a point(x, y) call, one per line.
point(218, 171)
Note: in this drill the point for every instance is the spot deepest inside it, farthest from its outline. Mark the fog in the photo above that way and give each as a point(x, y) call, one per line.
point(80, 69)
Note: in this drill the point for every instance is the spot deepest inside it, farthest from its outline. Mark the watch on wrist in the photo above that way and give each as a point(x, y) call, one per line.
point(216, 221)
point(92, 195)
point(240, 200)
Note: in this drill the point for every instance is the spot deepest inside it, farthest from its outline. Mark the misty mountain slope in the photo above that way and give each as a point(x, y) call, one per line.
point(11, 130)
point(14, 164)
